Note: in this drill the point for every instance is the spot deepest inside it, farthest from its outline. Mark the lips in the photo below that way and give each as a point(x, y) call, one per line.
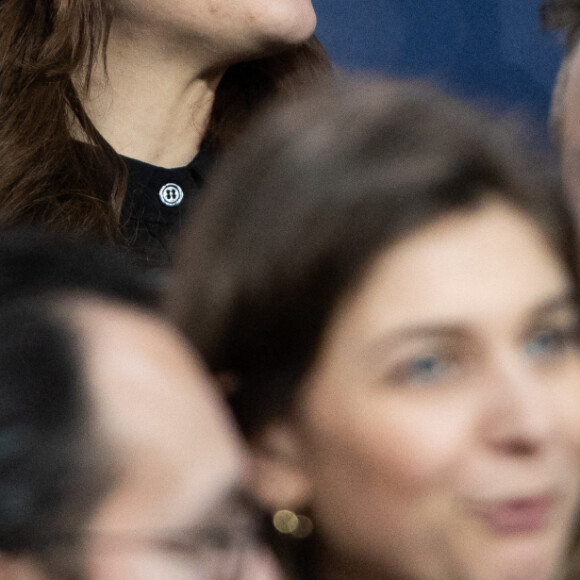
point(518, 515)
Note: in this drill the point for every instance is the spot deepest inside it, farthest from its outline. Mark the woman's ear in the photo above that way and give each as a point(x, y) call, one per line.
point(277, 468)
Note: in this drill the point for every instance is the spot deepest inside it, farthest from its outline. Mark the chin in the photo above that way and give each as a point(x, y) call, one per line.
point(287, 24)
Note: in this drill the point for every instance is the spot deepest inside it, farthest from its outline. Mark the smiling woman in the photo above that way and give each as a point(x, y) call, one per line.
point(447, 398)
point(105, 103)
point(391, 286)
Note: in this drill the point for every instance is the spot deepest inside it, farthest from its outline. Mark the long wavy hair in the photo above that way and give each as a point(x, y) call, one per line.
point(49, 179)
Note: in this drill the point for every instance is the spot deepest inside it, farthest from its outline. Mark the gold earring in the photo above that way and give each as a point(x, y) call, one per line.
point(288, 523)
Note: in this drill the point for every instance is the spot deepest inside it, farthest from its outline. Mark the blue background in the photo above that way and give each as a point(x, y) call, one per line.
point(490, 50)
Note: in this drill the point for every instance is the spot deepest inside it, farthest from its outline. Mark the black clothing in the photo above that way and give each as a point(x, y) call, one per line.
point(156, 204)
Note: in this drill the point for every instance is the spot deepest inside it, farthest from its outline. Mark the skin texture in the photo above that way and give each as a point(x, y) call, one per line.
point(165, 60)
point(566, 107)
point(442, 405)
point(180, 463)
point(229, 30)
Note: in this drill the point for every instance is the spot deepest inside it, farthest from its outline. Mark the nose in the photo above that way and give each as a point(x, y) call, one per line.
point(520, 414)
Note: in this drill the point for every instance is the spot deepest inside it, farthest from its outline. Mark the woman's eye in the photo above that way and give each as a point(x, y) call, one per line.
point(551, 342)
point(423, 369)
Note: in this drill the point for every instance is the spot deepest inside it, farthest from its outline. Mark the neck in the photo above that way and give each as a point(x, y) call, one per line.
point(153, 102)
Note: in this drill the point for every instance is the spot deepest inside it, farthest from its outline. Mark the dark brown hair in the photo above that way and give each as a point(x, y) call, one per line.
point(302, 204)
point(55, 466)
point(562, 15)
point(49, 179)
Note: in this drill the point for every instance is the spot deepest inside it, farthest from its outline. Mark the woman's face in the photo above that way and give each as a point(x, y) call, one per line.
point(220, 29)
point(440, 424)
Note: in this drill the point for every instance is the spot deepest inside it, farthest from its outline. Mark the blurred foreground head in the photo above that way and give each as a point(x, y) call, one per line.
point(564, 16)
point(117, 460)
point(390, 283)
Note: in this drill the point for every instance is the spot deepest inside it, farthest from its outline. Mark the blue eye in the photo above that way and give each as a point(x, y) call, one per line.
point(550, 343)
point(424, 369)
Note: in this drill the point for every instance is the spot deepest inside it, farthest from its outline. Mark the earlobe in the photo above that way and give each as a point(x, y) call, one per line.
point(277, 471)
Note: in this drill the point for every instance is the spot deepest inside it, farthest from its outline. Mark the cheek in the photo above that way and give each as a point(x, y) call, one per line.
point(568, 403)
point(386, 463)
point(567, 430)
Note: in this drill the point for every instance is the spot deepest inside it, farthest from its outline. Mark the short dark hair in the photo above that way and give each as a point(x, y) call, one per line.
point(53, 468)
point(298, 209)
point(47, 482)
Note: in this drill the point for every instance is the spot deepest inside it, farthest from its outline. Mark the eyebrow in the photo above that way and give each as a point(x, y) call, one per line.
point(556, 303)
point(457, 331)
point(420, 331)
